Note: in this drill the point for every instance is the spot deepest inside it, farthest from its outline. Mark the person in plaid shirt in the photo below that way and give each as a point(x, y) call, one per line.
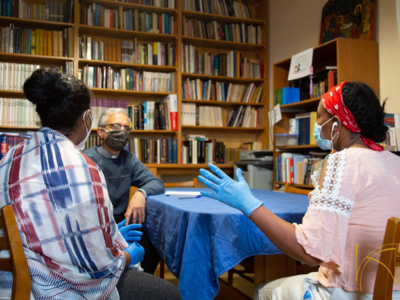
point(73, 246)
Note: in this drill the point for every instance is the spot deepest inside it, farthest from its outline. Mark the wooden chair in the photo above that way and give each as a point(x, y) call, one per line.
point(16, 263)
point(294, 190)
point(389, 260)
point(191, 183)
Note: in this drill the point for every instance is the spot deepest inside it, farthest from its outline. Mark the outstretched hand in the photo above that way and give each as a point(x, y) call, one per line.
point(234, 193)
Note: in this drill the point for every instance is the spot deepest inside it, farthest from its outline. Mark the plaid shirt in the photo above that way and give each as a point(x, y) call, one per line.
point(64, 215)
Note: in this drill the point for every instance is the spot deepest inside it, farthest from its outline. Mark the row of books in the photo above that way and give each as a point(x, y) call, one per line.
point(245, 117)
point(303, 125)
point(37, 41)
point(54, 11)
point(147, 150)
point(219, 7)
point(198, 149)
point(18, 112)
point(98, 15)
point(13, 75)
point(150, 115)
point(98, 106)
point(9, 140)
point(296, 168)
point(157, 53)
point(198, 89)
point(201, 115)
point(208, 29)
point(320, 83)
point(126, 79)
point(158, 3)
point(231, 64)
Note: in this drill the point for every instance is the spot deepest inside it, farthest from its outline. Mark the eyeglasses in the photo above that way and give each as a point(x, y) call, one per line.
point(116, 126)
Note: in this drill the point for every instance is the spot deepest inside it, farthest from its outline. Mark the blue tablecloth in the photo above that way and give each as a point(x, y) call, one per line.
point(200, 239)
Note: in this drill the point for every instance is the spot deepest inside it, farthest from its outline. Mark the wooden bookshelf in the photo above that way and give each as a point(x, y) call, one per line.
point(356, 60)
point(231, 136)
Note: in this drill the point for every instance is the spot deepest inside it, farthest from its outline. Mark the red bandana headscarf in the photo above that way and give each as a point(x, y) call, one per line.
point(334, 104)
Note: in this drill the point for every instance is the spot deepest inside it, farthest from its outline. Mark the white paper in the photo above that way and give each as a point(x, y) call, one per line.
point(181, 193)
point(300, 64)
point(274, 115)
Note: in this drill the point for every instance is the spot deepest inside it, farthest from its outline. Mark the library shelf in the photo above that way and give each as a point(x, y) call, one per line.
point(304, 104)
point(222, 78)
point(223, 128)
point(33, 59)
point(126, 34)
point(139, 7)
point(20, 127)
point(221, 103)
point(294, 147)
point(221, 18)
point(221, 44)
point(117, 64)
point(117, 93)
point(134, 131)
point(12, 93)
point(5, 21)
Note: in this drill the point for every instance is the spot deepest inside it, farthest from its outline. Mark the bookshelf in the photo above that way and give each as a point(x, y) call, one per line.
point(79, 26)
point(356, 60)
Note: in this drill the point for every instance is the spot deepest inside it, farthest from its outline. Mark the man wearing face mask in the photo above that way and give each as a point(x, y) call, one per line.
point(122, 169)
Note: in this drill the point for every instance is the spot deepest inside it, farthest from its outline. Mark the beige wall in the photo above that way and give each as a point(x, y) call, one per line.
point(295, 25)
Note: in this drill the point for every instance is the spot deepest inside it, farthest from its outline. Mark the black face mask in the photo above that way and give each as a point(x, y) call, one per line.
point(117, 139)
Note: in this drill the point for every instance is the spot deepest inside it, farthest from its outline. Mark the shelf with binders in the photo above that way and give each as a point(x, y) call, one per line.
point(140, 7)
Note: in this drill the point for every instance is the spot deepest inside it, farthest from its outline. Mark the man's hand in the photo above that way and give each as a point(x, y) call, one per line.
point(135, 208)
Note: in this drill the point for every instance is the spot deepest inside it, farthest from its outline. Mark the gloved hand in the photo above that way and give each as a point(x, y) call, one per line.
point(234, 193)
point(129, 233)
point(136, 252)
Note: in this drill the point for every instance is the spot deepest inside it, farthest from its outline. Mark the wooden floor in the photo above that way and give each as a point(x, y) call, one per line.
point(244, 286)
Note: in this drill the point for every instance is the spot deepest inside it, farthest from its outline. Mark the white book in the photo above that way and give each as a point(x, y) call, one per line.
point(89, 48)
point(1, 112)
point(194, 151)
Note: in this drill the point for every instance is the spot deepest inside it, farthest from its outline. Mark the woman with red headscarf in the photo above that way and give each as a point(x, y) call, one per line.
point(356, 191)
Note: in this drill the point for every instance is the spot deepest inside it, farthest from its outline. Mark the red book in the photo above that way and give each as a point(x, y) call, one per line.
point(173, 111)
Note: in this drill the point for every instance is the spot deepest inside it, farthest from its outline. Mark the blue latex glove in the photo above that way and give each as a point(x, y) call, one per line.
point(136, 252)
point(129, 233)
point(234, 193)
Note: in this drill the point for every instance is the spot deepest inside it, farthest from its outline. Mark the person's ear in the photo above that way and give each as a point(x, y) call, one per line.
point(101, 133)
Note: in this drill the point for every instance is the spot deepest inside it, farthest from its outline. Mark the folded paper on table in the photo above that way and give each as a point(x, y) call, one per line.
point(181, 193)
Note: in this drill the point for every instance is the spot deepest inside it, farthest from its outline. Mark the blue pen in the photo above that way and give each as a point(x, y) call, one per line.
point(198, 196)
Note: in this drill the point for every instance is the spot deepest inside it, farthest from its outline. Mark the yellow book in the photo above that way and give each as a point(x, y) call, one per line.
point(50, 43)
point(40, 42)
point(44, 42)
point(313, 119)
point(155, 54)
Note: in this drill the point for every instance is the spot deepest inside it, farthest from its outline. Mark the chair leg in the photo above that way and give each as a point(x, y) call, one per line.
point(162, 268)
point(230, 277)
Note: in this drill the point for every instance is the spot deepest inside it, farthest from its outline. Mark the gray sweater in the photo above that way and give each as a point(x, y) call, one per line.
point(121, 173)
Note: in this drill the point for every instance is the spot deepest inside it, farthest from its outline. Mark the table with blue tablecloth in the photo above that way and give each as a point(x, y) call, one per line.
point(201, 238)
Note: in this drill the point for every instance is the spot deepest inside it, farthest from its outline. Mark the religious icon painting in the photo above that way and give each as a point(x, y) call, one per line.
point(349, 19)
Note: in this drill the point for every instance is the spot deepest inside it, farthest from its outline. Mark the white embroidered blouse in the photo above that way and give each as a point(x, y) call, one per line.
point(355, 193)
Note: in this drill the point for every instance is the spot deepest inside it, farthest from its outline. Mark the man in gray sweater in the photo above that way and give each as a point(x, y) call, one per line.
point(122, 169)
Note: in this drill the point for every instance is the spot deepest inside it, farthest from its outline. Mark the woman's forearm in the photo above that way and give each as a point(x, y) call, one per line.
point(282, 234)
point(127, 259)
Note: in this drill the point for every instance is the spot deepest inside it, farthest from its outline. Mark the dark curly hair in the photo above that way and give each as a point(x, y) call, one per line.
point(361, 100)
point(60, 99)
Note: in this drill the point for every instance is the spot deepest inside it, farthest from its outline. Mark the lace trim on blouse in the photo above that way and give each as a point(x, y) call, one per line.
point(328, 197)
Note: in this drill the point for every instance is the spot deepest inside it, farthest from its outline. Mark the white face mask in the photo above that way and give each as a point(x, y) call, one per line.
point(81, 145)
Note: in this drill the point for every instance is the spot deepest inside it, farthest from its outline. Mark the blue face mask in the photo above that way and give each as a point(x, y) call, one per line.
point(322, 143)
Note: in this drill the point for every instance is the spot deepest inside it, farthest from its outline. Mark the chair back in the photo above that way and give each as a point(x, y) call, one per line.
point(16, 263)
point(293, 190)
point(389, 260)
point(191, 183)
